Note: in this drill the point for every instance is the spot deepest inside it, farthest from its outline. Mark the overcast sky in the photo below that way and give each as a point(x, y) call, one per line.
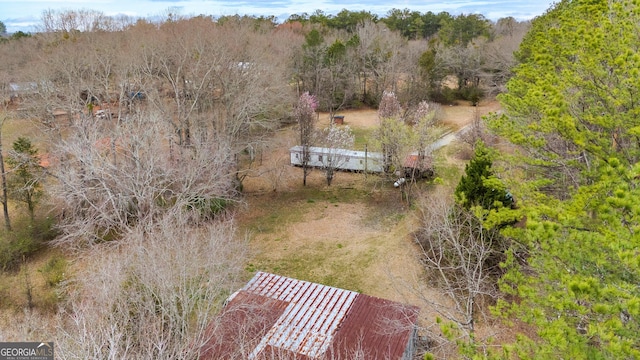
point(24, 14)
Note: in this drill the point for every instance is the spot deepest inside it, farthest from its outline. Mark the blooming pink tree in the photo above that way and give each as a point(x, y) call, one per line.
point(425, 118)
point(305, 115)
point(389, 106)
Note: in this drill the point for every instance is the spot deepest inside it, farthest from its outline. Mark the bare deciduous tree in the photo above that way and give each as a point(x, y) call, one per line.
point(336, 141)
point(153, 295)
point(156, 118)
point(224, 84)
point(220, 83)
point(84, 20)
point(500, 52)
point(462, 258)
point(382, 60)
point(476, 131)
point(111, 178)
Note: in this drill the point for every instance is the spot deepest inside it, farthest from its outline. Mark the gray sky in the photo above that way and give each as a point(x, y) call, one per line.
point(25, 14)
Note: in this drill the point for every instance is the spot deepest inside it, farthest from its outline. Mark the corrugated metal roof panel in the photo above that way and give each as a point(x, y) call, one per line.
point(312, 317)
point(412, 161)
point(376, 327)
point(242, 324)
point(295, 319)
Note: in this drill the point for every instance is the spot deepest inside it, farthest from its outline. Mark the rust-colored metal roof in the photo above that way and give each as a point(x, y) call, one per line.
point(412, 161)
point(375, 329)
point(284, 318)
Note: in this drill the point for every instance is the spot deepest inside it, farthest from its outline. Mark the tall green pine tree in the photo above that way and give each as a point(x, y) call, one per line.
point(24, 182)
point(479, 186)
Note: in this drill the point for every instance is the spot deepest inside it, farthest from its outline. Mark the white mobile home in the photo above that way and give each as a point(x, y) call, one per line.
point(343, 159)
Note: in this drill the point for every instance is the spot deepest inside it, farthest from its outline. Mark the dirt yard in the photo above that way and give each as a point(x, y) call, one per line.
point(326, 235)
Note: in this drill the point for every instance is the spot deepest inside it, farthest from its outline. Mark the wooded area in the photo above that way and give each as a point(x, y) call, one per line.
point(126, 144)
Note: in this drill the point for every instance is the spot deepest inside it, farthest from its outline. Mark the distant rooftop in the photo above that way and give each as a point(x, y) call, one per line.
point(275, 317)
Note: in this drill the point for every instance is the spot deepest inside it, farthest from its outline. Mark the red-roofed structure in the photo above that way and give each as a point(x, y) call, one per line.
point(275, 317)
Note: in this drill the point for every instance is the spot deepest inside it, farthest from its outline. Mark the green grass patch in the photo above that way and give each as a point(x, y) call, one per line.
point(54, 270)
point(337, 195)
point(332, 262)
point(278, 217)
point(363, 138)
point(447, 173)
point(15, 128)
point(321, 263)
point(24, 240)
point(35, 283)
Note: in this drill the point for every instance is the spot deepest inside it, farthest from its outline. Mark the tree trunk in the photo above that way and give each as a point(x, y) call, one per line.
point(5, 198)
point(329, 176)
point(31, 206)
point(306, 159)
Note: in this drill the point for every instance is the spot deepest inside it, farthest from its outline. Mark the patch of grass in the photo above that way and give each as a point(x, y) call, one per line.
point(334, 194)
point(363, 138)
point(251, 268)
point(17, 127)
point(326, 261)
point(385, 209)
point(278, 216)
point(449, 174)
point(5, 291)
point(321, 263)
point(33, 287)
point(291, 207)
point(24, 240)
point(446, 171)
point(54, 270)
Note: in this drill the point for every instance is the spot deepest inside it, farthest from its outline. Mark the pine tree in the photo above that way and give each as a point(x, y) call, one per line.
point(25, 184)
point(479, 186)
point(571, 115)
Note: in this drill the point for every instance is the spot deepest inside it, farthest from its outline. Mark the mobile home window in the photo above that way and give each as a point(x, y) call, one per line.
point(319, 157)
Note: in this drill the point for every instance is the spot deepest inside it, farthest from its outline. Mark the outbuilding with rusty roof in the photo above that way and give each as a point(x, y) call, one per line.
point(275, 317)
